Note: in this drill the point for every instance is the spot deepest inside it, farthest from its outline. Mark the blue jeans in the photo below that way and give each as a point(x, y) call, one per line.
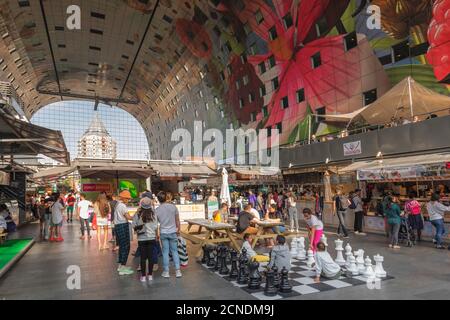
point(170, 243)
point(440, 230)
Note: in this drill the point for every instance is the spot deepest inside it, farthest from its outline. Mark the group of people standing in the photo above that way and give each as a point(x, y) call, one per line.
point(390, 209)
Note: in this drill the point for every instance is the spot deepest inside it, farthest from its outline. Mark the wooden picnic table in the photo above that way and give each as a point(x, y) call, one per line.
point(265, 230)
point(208, 238)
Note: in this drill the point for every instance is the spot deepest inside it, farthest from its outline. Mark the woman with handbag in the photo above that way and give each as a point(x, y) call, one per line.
point(145, 224)
point(102, 211)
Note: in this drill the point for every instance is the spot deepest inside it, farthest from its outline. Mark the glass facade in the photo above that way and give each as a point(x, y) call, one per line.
point(74, 117)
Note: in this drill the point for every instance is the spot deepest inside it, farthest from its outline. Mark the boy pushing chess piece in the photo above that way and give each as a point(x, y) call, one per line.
point(325, 265)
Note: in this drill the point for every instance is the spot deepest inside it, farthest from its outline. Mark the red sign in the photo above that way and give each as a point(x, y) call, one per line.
point(447, 165)
point(94, 187)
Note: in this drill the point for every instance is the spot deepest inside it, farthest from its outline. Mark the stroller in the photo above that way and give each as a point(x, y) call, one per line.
point(406, 235)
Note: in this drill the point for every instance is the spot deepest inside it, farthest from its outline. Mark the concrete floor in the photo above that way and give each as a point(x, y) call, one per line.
point(421, 272)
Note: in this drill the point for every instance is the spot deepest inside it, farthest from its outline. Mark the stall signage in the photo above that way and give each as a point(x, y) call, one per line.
point(96, 187)
point(352, 148)
point(396, 173)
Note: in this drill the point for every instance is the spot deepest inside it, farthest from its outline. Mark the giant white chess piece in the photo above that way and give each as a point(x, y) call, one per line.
point(294, 247)
point(348, 253)
point(324, 240)
point(311, 260)
point(339, 248)
point(379, 270)
point(301, 252)
point(360, 260)
point(369, 273)
point(352, 270)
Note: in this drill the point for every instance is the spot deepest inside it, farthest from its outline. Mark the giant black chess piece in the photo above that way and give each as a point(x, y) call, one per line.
point(223, 267)
point(211, 262)
point(276, 276)
point(270, 290)
point(242, 276)
point(218, 264)
point(254, 281)
point(234, 272)
point(285, 286)
point(243, 254)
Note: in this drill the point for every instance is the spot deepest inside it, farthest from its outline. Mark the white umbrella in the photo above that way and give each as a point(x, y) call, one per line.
point(225, 190)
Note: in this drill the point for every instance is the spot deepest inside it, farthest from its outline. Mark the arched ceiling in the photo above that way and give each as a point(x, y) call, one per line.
point(250, 63)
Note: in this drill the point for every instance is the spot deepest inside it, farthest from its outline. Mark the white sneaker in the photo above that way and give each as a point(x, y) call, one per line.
point(296, 230)
point(178, 274)
point(150, 278)
point(143, 279)
point(125, 271)
point(356, 232)
point(165, 274)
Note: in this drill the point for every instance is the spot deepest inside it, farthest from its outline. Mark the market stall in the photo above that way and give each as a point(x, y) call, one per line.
point(422, 175)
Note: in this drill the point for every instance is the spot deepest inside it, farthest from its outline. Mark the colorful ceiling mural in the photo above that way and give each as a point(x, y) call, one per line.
point(250, 63)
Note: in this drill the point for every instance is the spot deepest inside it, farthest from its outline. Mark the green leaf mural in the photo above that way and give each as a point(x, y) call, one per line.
point(301, 131)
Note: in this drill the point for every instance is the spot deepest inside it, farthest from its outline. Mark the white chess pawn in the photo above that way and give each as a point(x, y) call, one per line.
point(311, 260)
point(301, 252)
point(368, 273)
point(360, 260)
point(324, 239)
point(348, 253)
point(379, 270)
point(352, 270)
point(339, 249)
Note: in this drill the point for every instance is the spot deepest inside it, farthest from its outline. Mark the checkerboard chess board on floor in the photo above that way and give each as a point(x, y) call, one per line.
point(301, 279)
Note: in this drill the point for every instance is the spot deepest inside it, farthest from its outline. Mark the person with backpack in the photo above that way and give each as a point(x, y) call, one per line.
point(145, 224)
point(357, 205)
point(415, 219)
point(341, 206)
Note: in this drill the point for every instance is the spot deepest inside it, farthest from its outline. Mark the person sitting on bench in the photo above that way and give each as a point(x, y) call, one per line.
point(244, 221)
point(251, 254)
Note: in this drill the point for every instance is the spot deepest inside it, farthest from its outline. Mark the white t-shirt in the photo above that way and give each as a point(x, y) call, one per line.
point(84, 208)
point(255, 213)
point(119, 214)
point(166, 214)
point(315, 222)
point(326, 265)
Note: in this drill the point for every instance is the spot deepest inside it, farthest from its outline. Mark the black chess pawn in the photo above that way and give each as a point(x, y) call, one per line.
point(218, 263)
point(211, 262)
point(243, 254)
point(276, 276)
point(234, 272)
point(270, 290)
point(254, 281)
point(242, 276)
point(285, 286)
point(223, 266)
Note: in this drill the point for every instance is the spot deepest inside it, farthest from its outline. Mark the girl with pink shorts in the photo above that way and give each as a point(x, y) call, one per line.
point(315, 228)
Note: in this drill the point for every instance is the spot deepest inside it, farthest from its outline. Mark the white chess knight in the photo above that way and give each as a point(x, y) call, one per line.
point(348, 253)
point(360, 260)
point(301, 252)
point(379, 270)
point(339, 248)
point(369, 273)
point(311, 260)
point(352, 270)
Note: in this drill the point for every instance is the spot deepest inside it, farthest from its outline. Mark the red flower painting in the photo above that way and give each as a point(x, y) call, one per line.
point(293, 48)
